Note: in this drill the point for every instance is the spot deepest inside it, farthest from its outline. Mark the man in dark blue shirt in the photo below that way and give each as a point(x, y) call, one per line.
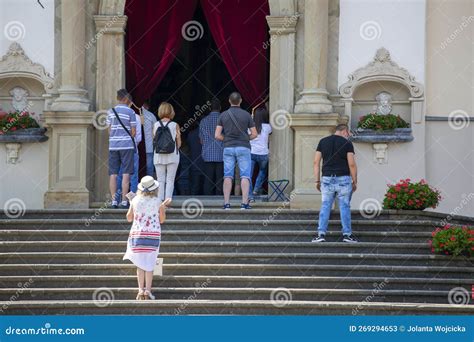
point(212, 151)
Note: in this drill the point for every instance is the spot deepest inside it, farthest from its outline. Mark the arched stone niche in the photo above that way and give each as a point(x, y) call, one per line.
point(359, 98)
point(18, 70)
point(34, 86)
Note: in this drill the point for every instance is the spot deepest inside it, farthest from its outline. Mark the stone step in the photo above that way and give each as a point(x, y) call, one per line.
point(209, 235)
point(242, 270)
point(378, 294)
point(223, 224)
point(327, 282)
point(221, 307)
point(261, 211)
point(242, 258)
point(219, 246)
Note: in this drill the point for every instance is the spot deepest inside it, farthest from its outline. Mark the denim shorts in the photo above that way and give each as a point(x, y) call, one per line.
point(121, 160)
point(239, 155)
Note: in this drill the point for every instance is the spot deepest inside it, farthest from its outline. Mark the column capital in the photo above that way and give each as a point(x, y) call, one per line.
point(110, 24)
point(285, 24)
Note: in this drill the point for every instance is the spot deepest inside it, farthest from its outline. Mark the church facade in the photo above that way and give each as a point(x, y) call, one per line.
point(330, 62)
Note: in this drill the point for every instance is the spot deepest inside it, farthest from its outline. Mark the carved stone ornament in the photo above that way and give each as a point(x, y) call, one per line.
point(382, 68)
point(15, 63)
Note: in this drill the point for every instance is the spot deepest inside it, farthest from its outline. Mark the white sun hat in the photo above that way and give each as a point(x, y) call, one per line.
point(148, 183)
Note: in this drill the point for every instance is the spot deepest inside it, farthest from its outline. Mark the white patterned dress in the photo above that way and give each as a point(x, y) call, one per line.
point(145, 235)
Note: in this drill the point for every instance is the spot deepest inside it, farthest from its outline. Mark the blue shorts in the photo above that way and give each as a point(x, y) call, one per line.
point(239, 155)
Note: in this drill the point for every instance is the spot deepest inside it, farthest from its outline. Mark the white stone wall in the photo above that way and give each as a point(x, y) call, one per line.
point(366, 25)
point(25, 22)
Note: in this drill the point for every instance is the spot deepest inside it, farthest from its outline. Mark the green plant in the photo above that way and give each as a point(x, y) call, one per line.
point(16, 120)
point(453, 240)
point(411, 196)
point(380, 122)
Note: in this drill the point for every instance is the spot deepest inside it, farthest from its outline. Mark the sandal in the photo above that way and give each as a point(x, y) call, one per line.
point(148, 296)
point(140, 295)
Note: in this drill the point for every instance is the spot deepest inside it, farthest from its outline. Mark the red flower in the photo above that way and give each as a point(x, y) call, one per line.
point(397, 189)
point(394, 196)
point(453, 238)
point(412, 191)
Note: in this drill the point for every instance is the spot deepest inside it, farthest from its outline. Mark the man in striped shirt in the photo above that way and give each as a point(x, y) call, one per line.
point(121, 145)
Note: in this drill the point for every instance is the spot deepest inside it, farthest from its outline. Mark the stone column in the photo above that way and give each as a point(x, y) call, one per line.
point(282, 77)
point(69, 122)
point(72, 95)
point(314, 97)
point(110, 77)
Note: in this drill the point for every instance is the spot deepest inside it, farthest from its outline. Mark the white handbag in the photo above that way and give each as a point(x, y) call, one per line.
point(158, 269)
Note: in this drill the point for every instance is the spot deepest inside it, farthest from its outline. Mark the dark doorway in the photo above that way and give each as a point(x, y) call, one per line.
point(197, 75)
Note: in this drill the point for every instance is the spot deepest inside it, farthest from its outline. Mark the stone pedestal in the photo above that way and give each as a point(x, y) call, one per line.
point(314, 97)
point(308, 130)
point(69, 159)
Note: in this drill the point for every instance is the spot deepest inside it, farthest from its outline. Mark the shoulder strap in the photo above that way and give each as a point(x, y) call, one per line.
point(125, 128)
point(233, 119)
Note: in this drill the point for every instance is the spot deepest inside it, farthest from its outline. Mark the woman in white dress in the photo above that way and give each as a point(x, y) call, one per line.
point(166, 164)
point(147, 213)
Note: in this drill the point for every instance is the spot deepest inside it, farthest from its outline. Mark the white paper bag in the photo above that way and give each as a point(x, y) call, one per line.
point(158, 269)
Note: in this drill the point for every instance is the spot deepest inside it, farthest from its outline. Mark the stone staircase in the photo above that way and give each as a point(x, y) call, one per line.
point(230, 262)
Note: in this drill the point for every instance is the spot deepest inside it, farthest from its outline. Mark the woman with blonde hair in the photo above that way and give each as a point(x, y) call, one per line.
point(147, 213)
point(166, 144)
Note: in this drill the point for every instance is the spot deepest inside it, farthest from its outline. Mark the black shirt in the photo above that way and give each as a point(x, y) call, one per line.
point(334, 150)
point(236, 122)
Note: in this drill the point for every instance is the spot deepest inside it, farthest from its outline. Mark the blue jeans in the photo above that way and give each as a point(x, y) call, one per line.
point(241, 155)
point(330, 187)
point(133, 179)
point(262, 161)
point(150, 167)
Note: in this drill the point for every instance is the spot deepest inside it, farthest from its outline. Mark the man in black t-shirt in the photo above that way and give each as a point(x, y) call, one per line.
point(339, 178)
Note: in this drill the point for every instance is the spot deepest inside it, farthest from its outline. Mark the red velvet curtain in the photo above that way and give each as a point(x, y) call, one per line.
point(240, 30)
point(154, 37)
point(153, 40)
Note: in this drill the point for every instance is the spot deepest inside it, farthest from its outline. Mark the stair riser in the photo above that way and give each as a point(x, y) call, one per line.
point(229, 225)
point(167, 295)
point(136, 309)
point(196, 248)
point(296, 237)
point(323, 259)
point(131, 282)
point(242, 272)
